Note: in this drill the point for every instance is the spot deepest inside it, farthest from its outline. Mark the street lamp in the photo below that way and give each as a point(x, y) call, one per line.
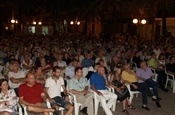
point(39, 23)
point(135, 21)
point(139, 22)
point(78, 23)
point(143, 21)
point(71, 22)
point(34, 23)
point(12, 21)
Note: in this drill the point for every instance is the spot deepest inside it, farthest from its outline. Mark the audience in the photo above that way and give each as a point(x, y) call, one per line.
point(18, 54)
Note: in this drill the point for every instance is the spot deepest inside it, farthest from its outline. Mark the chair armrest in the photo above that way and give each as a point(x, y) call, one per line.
point(111, 88)
point(71, 95)
point(20, 109)
point(171, 74)
point(155, 77)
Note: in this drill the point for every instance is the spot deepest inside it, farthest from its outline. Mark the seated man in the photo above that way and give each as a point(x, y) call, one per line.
point(69, 70)
point(145, 74)
point(53, 88)
point(130, 77)
point(98, 83)
point(16, 76)
point(153, 63)
point(170, 67)
point(32, 95)
point(79, 86)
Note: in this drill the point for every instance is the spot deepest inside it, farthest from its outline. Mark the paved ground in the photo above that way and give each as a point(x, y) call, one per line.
point(167, 103)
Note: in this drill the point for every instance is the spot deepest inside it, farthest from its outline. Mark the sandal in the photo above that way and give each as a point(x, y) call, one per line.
point(125, 111)
point(131, 107)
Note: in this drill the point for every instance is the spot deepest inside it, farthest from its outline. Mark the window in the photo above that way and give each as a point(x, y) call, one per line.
point(31, 29)
point(44, 30)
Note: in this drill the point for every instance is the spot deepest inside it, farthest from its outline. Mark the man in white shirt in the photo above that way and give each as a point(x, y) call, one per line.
point(16, 76)
point(62, 64)
point(53, 87)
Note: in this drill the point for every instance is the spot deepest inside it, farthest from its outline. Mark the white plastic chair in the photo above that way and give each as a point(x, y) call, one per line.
point(170, 77)
point(96, 103)
point(154, 77)
point(48, 105)
point(73, 100)
point(132, 93)
point(19, 109)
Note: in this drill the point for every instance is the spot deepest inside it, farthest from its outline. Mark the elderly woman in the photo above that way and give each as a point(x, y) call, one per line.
point(8, 99)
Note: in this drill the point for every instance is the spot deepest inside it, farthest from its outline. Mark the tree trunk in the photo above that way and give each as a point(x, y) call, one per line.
point(164, 20)
point(85, 26)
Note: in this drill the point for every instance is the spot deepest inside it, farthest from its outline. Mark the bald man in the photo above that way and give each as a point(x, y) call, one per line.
point(32, 95)
point(98, 83)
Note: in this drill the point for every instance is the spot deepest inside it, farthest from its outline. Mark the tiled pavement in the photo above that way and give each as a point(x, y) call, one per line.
point(167, 103)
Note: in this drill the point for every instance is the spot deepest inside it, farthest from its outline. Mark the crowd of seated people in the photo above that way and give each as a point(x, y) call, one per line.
point(38, 55)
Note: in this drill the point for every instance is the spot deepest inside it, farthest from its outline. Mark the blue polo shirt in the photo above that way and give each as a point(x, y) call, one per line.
point(87, 63)
point(98, 81)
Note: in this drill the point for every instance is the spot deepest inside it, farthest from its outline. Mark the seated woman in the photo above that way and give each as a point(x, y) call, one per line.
point(121, 90)
point(8, 99)
point(45, 66)
point(39, 75)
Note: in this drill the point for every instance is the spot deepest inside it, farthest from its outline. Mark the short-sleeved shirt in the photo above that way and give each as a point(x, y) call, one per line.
point(98, 81)
point(87, 63)
point(54, 87)
point(31, 94)
point(69, 71)
point(77, 85)
point(153, 63)
point(19, 74)
point(146, 74)
point(129, 77)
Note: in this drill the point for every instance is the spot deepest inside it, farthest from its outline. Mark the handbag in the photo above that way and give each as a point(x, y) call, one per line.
point(124, 93)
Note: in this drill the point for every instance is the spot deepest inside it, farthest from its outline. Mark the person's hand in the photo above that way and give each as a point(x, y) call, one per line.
point(84, 92)
point(104, 76)
point(51, 100)
point(3, 103)
point(68, 77)
point(39, 104)
point(66, 98)
point(135, 86)
point(99, 93)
